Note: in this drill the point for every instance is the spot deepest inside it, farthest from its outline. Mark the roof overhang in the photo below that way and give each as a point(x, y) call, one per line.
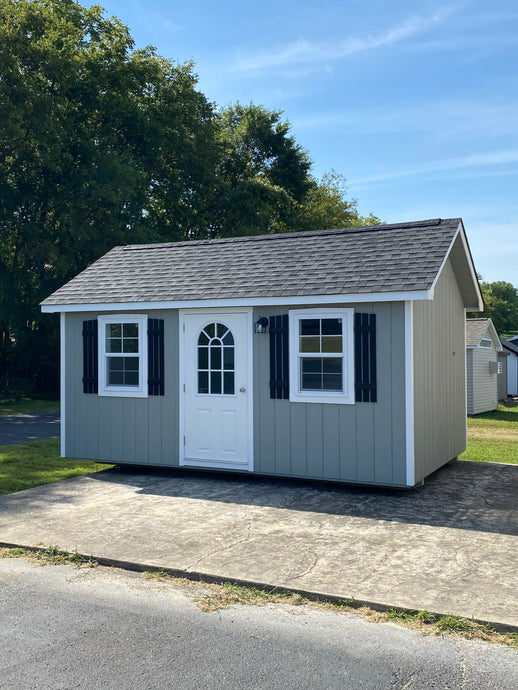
point(282, 300)
point(460, 255)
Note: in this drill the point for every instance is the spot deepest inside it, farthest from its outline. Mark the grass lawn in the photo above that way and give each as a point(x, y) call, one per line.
point(27, 406)
point(32, 464)
point(493, 436)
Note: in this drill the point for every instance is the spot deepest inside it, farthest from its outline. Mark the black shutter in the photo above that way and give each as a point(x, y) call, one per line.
point(365, 357)
point(279, 357)
point(155, 356)
point(90, 357)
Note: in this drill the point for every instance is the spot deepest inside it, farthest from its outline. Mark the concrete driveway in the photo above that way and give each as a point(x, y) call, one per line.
point(448, 547)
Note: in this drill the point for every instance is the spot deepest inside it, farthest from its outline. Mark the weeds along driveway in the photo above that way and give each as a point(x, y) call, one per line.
point(449, 547)
point(24, 428)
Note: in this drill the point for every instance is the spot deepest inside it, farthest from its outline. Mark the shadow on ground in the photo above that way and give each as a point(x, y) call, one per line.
point(461, 495)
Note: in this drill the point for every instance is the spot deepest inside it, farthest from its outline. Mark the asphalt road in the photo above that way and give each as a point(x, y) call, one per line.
point(62, 627)
point(25, 428)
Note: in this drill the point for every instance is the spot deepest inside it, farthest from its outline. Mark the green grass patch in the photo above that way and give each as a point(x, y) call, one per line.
point(33, 464)
point(52, 555)
point(493, 436)
point(27, 406)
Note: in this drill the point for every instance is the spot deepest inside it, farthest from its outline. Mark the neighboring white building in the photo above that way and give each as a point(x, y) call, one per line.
point(511, 347)
point(482, 345)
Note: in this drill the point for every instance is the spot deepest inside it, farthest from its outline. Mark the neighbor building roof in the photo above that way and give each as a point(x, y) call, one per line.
point(476, 329)
point(399, 258)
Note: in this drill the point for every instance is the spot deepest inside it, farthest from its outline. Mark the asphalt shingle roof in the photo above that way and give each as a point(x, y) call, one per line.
point(475, 329)
point(381, 258)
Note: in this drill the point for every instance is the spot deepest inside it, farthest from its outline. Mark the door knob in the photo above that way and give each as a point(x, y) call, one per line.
point(242, 390)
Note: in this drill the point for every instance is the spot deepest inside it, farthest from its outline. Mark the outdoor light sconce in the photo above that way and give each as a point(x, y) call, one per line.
point(261, 325)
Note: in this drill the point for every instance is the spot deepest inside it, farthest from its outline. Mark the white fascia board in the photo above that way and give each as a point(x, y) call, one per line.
point(462, 233)
point(291, 300)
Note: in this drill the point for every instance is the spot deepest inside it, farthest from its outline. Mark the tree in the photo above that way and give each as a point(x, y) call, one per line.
point(260, 175)
point(501, 305)
point(326, 206)
point(101, 144)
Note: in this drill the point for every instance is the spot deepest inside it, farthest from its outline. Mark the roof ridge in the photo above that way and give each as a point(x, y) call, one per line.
point(351, 230)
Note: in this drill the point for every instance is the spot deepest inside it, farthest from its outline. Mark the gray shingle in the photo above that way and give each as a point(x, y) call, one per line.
point(382, 258)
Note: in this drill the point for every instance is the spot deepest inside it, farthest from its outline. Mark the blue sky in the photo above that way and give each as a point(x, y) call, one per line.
point(416, 103)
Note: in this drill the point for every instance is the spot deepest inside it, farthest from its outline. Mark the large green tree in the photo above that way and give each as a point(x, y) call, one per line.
point(102, 144)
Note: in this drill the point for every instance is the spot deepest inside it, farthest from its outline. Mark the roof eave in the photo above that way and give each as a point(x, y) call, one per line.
point(281, 300)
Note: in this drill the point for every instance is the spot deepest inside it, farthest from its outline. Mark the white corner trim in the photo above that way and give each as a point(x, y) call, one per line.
point(291, 300)
point(62, 374)
point(409, 393)
point(250, 390)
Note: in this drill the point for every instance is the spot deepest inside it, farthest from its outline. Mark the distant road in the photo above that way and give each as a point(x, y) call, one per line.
point(24, 428)
point(64, 627)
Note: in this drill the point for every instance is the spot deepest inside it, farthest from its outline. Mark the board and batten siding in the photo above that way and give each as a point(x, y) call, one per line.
point(482, 384)
point(362, 442)
point(125, 430)
point(439, 376)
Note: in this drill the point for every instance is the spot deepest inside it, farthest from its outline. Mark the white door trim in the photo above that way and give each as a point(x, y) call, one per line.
point(181, 378)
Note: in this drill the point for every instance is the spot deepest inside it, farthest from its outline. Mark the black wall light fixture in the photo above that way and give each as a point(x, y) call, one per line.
point(261, 325)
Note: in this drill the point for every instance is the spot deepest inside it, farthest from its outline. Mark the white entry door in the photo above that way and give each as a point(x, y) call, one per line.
point(216, 409)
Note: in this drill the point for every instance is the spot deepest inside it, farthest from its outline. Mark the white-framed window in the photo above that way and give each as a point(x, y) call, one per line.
point(123, 355)
point(321, 356)
point(486, 342)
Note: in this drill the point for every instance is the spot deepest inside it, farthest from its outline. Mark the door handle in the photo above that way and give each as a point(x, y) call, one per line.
point(242, 390)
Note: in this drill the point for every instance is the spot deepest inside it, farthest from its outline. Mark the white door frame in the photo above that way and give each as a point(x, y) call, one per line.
point(211, 313)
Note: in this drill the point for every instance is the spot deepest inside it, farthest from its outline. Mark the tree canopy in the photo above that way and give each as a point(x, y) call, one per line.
point(103, 144)
point(501, 305)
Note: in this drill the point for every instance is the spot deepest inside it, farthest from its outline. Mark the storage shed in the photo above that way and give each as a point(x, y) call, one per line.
point(511, 348)
point(482, 345)
point(334, 355)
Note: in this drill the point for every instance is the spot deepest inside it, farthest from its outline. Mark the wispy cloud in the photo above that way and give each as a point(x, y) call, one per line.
point(451, 164)
point(464, 118)
point(303, 51)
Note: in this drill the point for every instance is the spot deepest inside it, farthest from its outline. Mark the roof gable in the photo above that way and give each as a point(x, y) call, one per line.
point(478, 329)
point(385, 259)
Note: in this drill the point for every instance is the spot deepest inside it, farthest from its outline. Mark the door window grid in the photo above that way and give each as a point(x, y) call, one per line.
point(216, 366)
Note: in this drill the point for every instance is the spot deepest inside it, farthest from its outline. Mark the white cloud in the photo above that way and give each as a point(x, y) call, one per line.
point(464, 162)
point(303, 51)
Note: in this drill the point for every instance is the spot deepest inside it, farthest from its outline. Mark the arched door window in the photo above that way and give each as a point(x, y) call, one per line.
point(216, 369)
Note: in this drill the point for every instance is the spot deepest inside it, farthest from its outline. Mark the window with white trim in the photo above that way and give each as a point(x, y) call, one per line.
point(486, 342)
point(123, 355)
point(321, 355)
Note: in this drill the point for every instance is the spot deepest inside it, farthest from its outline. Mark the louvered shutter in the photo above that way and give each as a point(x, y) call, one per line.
point(155, 354)
point(90, 356)
point(365, 385)
point(279, 357)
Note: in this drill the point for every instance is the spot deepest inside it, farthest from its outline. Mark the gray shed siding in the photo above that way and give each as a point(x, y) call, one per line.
point(482, 388)
point(129, 430)
point(439, 376)
point(364, 442)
